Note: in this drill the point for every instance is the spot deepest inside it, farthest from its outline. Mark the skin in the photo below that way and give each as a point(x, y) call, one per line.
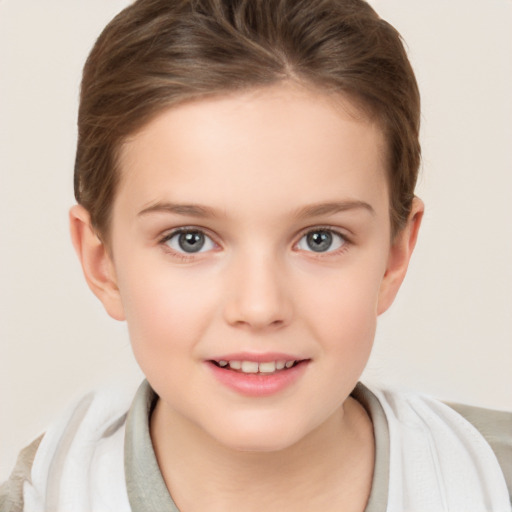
point(259, 169)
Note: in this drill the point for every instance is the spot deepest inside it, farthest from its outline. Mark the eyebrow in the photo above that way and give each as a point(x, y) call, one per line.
point(331, 208)
point(315, 210)
point(191, 210)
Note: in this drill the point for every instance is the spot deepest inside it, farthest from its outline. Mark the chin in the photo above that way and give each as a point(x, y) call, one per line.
point(259, 438)
point(258, 445)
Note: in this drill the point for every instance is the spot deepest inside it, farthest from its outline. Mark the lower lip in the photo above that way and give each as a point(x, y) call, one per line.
point(258, 384)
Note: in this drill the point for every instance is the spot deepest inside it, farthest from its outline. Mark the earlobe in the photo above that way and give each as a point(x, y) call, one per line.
point(96, 262)
point(399, 256)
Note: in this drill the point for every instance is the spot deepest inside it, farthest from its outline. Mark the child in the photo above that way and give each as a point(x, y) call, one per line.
point(245, 182)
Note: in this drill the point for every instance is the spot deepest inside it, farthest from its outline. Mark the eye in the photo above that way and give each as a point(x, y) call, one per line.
point(321, 240)
point(189, 241)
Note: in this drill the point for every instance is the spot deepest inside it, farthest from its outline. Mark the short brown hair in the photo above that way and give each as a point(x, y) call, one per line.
point(158, 53)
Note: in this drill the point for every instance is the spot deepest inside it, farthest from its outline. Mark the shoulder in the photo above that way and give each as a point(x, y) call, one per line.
point(11, 491)
point(462, 452)
point(496, 428)
point(85, 432)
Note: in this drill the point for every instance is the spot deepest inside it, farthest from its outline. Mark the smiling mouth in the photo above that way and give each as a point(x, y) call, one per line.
point(253, 367)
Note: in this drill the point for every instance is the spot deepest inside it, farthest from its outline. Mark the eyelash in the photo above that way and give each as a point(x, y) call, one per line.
point(184, 256)
point(347, 242)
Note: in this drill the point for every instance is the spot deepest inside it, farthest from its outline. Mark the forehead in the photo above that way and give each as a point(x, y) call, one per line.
point(266, 145)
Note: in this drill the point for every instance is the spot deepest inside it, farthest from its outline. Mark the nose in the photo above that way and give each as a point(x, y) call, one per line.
point(258, 295)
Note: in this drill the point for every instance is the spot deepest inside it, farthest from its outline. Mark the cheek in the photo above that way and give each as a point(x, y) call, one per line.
point(343, 311)
point(165, 309)
point(348, 326)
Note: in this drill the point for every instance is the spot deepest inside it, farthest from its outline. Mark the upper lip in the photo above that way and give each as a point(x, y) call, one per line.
point(257, 358)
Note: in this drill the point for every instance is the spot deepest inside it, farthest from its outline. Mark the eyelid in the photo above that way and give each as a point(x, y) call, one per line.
point(336, 231)
point(171, 233)
point(344, 233)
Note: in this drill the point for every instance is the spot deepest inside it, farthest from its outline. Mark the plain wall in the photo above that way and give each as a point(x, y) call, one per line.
point(449, 333)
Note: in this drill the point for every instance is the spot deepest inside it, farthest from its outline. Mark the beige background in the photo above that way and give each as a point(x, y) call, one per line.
point(450, 332)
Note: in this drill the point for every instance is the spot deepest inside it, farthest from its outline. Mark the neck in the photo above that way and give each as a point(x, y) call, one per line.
point(331, 468)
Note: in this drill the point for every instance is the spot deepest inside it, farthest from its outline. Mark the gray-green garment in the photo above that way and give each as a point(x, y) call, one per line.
point(146, 488)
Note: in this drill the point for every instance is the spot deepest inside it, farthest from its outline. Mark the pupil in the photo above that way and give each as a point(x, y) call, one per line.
point(191, 242)
point(319, 241)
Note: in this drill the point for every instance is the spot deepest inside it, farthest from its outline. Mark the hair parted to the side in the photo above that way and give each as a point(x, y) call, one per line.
point(158, 53)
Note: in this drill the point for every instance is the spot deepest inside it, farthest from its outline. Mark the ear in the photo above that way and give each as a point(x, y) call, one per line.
point(96, 261)
point(399, 256)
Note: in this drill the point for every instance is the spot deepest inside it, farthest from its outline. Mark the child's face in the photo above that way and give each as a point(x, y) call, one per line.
point(283, 254)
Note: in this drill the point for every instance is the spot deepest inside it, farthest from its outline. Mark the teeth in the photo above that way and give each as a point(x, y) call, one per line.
point(254, 367)
point(249, 367)
point(269, 367)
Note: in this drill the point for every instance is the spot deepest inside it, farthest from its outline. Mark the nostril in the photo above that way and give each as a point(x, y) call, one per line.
point(257, 298)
